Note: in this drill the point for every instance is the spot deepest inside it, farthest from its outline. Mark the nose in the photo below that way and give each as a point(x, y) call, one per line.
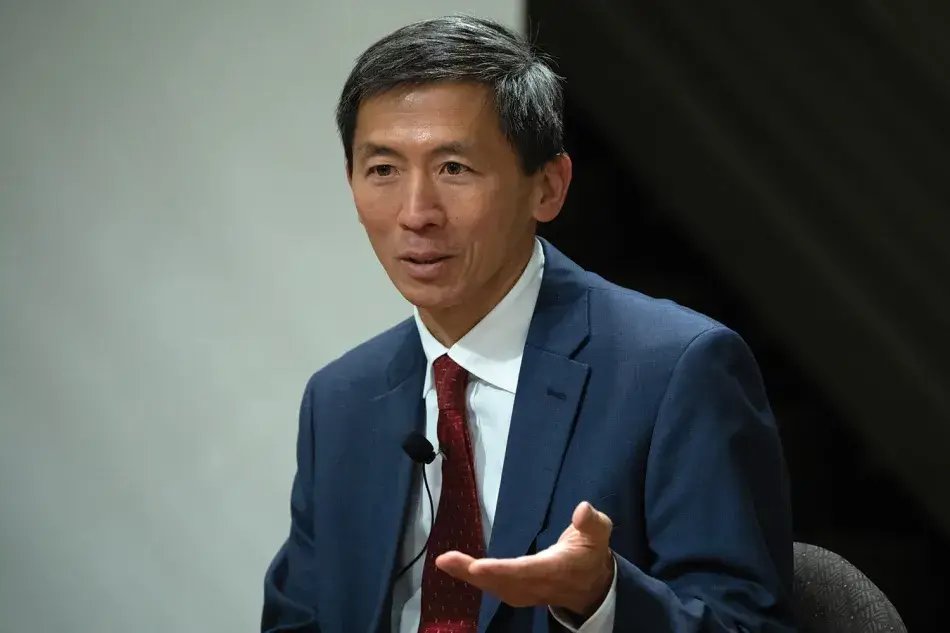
point(421, 207)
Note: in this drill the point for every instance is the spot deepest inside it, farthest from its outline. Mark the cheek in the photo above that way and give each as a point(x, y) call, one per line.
point(375, 211)
point(471, 209)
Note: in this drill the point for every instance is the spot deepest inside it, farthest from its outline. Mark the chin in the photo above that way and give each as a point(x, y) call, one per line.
point(428, 298)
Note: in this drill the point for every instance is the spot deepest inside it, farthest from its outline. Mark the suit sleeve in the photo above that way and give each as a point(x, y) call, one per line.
point(286, 585)
point(717, 507)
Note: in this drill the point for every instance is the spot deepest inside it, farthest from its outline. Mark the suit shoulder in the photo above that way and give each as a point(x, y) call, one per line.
point(363, 367)
point(630, 318)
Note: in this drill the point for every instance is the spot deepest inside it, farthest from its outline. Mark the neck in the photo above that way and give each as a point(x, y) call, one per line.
point(449, 325)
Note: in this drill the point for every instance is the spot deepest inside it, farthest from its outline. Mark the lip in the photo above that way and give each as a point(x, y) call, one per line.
point(423, 255)
point(424, 266)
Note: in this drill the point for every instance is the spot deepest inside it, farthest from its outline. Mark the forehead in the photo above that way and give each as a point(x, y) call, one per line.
point(434, 113)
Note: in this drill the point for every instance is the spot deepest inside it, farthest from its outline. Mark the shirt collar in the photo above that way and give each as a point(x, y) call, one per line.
point(492, 350)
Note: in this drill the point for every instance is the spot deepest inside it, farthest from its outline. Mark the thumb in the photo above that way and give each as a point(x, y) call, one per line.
point(589, 521)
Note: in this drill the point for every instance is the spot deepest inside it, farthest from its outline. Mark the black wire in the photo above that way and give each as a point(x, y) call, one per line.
point(431, 523)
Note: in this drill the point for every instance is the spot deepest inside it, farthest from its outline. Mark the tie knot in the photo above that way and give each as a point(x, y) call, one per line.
point(450, 382)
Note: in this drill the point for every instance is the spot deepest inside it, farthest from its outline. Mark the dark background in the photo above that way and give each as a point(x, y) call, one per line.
point(783, 169)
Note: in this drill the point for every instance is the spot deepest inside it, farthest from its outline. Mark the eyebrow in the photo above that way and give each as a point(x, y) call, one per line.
point(367, 151)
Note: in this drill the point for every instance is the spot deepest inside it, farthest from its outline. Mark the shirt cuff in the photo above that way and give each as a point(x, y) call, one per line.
point(602, 621)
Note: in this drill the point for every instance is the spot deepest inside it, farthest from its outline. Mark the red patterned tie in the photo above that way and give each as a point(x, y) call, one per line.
point(450, 605)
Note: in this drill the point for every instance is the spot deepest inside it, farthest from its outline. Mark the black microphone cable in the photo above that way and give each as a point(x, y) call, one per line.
point(420, 450)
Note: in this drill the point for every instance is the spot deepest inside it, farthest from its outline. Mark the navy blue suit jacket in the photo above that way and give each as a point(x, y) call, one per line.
point(654, 413)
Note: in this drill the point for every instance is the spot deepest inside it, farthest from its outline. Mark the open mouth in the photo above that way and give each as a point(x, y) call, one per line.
point(428, 260)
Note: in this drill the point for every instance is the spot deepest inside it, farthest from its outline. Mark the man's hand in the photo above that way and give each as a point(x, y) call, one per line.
point(575, 573)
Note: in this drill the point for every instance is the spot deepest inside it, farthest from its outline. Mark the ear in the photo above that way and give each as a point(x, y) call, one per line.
point(554, 179)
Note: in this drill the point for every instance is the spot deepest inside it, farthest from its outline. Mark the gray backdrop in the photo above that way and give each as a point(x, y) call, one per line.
point(178, 252)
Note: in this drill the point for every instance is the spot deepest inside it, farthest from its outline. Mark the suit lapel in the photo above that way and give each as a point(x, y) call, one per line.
point(398, 412)
point(550, 391)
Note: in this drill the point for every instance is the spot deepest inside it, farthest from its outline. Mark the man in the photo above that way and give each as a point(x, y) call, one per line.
point(607, 461)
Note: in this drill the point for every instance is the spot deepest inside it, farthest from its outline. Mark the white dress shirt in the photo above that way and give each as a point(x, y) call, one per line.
point(491, 353)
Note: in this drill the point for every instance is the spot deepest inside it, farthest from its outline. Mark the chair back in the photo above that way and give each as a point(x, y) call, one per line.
point(830, 595)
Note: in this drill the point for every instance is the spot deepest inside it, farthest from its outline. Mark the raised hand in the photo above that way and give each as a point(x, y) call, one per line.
point(575, 573)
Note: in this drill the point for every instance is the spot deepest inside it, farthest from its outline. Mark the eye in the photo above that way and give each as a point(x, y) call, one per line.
point(454, 169)
point(382, 171)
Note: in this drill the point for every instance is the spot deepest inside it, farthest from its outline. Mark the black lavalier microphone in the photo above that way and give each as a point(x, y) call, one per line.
point(420, 450)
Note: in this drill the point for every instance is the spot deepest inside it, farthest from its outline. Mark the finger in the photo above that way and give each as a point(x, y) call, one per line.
point(521, 582)
point(592, 522)
point(464, 568)
point(493, 572)
point(530, 568)
point(456, 564)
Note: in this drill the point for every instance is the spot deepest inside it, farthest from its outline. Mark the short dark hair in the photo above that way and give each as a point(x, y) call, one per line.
point(527, 93)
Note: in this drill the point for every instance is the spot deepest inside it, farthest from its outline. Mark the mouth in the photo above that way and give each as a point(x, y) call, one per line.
point(421, 261)
point(425, 267)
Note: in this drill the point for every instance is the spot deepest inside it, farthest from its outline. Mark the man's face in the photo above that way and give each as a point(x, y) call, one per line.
point(440, 191)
